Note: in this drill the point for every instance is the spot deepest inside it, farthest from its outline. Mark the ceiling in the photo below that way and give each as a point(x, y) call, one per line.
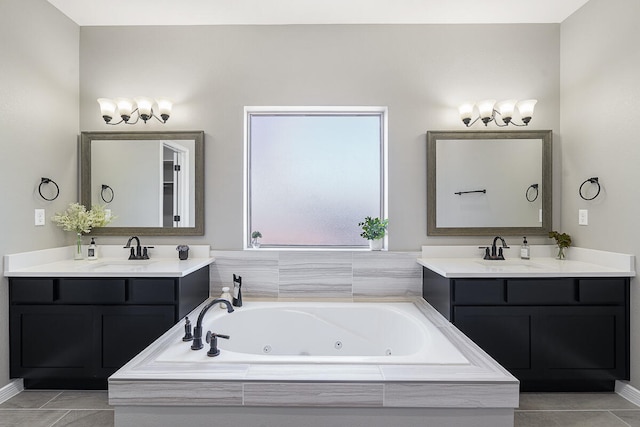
point(281, 12)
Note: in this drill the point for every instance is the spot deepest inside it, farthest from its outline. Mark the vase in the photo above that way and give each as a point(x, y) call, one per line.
point(561, 254)
point(375, 245)
point(78, 250)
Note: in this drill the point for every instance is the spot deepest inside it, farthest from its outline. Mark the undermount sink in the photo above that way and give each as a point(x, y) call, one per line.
point(509, 264)
point(125, 266)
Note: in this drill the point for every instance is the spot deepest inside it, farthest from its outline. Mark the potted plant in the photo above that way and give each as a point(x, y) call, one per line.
point(374, 229)
point(254, 239)
point(562, 240)
point(80, 220)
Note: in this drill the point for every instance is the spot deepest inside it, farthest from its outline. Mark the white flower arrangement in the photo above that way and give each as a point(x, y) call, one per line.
point(80, 220)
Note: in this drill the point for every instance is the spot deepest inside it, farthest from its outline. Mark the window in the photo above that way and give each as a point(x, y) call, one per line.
point(312, 174)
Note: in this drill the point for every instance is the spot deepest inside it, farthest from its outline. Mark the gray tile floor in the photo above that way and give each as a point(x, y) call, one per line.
point(33, 408)
point(36, 408)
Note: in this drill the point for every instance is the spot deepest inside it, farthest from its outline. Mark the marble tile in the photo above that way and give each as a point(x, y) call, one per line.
point(30, 418)
point(104, 418)
point(632, 418)
point(300, 372)
point(80, 400)
point(439, 395)
point(566, 419)
point(386, 274)
point(259, 271)
point(29, 399)
point(313, 394)
point(574, 401)
point(166, 393)
point(315, 274)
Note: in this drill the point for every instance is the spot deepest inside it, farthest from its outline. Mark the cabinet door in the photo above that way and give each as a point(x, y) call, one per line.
point(127, 330)
point(51, 341)
point(503, 332)
point(584, 342)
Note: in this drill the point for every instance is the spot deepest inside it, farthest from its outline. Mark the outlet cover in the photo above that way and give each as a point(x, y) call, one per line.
point(583, 217)
point(39, 217)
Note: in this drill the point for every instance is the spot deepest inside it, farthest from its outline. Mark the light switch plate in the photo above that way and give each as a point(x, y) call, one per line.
point(39, 217)
point(583, 217)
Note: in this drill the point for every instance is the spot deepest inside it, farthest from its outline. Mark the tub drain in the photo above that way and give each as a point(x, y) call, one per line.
point(266, 349)
point(338, 345)
point(388, 352)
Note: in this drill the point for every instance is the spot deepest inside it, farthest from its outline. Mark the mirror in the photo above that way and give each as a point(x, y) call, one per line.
point(489, 183)
point(152, 182)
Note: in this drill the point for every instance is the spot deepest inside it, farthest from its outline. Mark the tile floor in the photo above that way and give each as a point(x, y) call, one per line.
point(35, 408)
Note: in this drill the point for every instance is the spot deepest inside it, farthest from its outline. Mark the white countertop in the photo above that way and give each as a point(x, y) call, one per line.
point(467, 262)
point(58, 262)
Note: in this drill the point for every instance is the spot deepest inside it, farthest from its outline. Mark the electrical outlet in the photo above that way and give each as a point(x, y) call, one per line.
point(39, 217)
point(583, 217)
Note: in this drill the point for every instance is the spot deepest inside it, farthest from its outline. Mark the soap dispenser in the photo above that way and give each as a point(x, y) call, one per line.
point(92, 251)
point(525, 250)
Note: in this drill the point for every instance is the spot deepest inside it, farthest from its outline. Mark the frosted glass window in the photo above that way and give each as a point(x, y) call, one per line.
point(312, 177)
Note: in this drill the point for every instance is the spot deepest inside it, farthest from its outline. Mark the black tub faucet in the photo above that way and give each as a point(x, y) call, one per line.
point(197, 331)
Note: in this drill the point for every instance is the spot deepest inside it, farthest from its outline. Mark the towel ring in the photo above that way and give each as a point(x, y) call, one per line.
point(104, 188)
point(593, 180)
point(48, 181)
point(526, 194)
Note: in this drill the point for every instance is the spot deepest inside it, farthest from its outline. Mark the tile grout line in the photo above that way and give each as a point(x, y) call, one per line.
point(61, 417)
point(621, 420)
point(51, 400)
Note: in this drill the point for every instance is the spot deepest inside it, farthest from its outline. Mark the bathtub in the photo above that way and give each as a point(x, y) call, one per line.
point(307, 332)
point(317, 364)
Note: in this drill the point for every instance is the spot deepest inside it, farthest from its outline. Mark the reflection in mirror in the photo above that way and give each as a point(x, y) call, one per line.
point(489, 183)
point(152, 182)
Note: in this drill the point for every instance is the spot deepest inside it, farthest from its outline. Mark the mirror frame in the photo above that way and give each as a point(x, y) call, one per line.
point(85, 180)
point(547, 183)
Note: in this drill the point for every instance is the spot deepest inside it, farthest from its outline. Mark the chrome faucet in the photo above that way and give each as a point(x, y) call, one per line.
point(139, 252)
point(197, 331)
point(496, 253)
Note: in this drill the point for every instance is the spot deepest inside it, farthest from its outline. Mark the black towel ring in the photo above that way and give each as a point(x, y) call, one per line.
point(526, 194)
point(106, 187)
point(48, 181)
point(593, 180)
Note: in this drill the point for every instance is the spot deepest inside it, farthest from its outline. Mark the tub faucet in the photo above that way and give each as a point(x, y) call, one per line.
point(197, 331)
point(496, 253)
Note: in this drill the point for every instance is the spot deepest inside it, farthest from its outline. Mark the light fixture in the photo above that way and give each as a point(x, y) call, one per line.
point(488, 108)
point(126, 107)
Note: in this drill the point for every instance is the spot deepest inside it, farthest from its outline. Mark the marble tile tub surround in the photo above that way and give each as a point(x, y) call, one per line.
point(345, 275)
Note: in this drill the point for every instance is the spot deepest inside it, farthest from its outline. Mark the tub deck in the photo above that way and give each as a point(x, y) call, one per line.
point(478, 394)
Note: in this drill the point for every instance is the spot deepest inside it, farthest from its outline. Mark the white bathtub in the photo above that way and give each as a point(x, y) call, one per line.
point(374, 364)
point(306, 332)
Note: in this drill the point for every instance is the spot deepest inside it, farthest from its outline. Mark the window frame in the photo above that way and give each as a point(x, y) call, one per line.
point(250, 111)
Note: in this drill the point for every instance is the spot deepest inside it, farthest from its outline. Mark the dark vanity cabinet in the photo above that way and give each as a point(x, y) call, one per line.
point(76, 332)
point(553, 334)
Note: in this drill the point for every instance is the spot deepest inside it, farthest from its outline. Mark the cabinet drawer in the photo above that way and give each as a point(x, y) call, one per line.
point(478, 291)
point(91, 291)
point(31, 290)
point(602, 291)
point(152, 291)
point(541, 291)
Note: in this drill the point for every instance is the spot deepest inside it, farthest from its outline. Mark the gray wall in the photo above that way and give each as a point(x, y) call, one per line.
point(421, 72)
point(38, 130)
point(600, 111)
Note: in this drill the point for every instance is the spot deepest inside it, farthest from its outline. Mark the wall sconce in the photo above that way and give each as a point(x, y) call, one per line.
point(488, 109)
point(126, 107)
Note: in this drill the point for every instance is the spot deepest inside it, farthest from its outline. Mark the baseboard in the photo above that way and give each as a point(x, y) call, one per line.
point(11, 389)
point(629, 392)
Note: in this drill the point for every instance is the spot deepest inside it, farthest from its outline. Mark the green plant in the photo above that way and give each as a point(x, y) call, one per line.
point(77, 218)
point(373, 228)
point(256, 235)
point(562, 240)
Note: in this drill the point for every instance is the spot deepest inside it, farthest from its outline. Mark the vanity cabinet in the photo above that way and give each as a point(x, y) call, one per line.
point(76, 332)
point(553, 334)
